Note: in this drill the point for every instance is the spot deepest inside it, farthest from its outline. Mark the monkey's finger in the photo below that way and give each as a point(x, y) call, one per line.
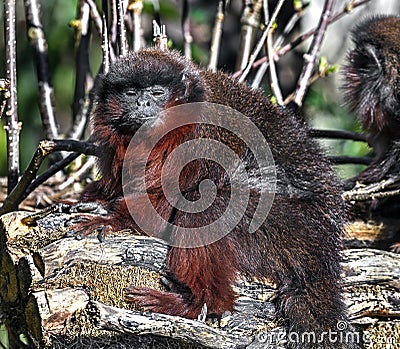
point(83, 228)
point(89, 207)
point(76, 220)
point(395, 247)
point(143, 296)
point(103, 231)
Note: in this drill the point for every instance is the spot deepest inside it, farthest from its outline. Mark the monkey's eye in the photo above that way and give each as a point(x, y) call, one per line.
point(158, 93)
point(131, 93)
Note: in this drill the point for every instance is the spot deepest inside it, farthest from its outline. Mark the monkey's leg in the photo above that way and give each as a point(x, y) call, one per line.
point(314, 315)
point(205, 275)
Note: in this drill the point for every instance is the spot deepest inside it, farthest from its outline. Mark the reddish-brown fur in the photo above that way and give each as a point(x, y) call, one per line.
point(298, 245)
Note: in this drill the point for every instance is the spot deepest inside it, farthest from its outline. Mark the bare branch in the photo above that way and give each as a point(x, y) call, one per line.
point(311, 56)
point(374, 190)
point(122, 40)
point(83, 75)
point(76, 175)
point(286, 31)
point(105, 44)
point(272, 70)
point(187, 36)
point(216, 36)
point(156, 8)
point(113, 26)
point(350, 6)
point(135, 8)
point(12, 127)
point(338, 134)
point(95, 15)
point(160, 36)
point(250, 23)
point(342, 160)
point(81, 120)
point(37, 39)
point(261, 42)
point(45, 148)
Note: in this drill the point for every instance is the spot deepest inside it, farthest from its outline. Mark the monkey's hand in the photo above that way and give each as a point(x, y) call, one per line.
point(86, 207)
point(395, 247)
point(93, 218)
point(169, 303)
point(86, 224)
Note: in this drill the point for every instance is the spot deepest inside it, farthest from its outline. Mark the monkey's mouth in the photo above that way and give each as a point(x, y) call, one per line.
point(145, 118)
point(131, 123)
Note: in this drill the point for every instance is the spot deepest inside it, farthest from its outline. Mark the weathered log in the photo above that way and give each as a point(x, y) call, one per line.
point(54, 290)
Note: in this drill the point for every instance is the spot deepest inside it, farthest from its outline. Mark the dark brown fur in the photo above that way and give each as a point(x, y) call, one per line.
point(298, 245)
point(372, 90)
point(372, 79)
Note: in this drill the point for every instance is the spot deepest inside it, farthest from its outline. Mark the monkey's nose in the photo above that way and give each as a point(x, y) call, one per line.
point(140, 103)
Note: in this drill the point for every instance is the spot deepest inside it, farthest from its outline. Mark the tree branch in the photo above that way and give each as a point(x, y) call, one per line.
point(45, 148)
point(341, 134)
point(38, 42)
point(261, 42)
point(311, 56)
point(122, 40)
point(216, 36)
point(83, 75)
point(12, 127)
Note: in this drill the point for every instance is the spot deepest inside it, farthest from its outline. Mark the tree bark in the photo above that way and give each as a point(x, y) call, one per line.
point(64, 292)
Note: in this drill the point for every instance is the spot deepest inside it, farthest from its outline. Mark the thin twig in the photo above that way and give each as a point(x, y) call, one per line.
point(349, 7)
point(113, 26)
point(45, 148)
point(83, 75)
point(105, 44)
point(272, 70)
point(311, 56)
point(76, 175)
point(338, 134)
point(95, 15)
point(286, 31)
point(216, 36)
point(343, 160)
point(156, 9)
point(37, 39)
point(12, 126)
point(250, 22)
point(187, 36)
point(160, 36)
point(122, 40)
point(261, 42)
point(135, 8)
point(373, 191)
point(265, 11)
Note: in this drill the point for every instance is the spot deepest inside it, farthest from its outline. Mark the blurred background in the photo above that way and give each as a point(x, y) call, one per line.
point(323, 106)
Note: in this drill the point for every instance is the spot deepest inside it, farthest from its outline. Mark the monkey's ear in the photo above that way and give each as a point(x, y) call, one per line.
point(194, 87)
point(187, 85)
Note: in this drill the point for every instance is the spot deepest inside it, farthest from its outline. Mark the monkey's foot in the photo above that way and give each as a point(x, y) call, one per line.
point(395, 247)
point(162, 302)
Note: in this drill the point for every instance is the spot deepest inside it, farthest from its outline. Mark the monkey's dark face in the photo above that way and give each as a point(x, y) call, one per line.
point(372, 85)
point(141, 85)
point(138, 105)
